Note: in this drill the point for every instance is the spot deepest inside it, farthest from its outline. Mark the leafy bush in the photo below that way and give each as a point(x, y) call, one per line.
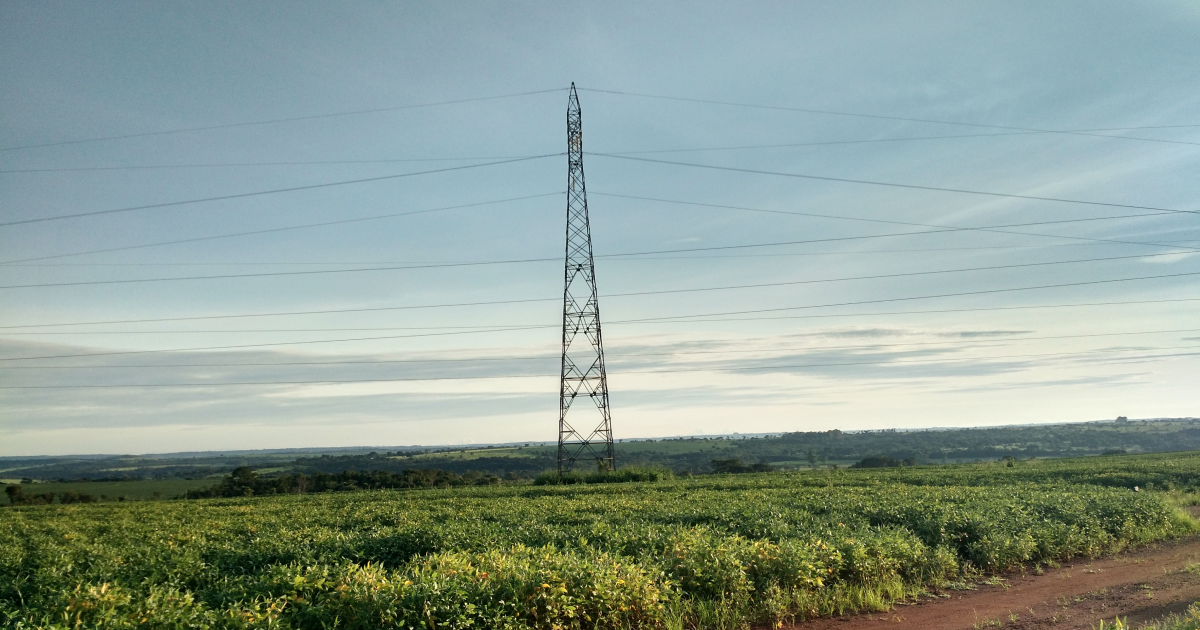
point(623, 475)
point(735, 465)
point(244, 482)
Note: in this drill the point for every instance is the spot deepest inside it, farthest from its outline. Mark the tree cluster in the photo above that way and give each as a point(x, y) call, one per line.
point(735, 465)
point(244, 482)
point(883, 461)
point(16, 496)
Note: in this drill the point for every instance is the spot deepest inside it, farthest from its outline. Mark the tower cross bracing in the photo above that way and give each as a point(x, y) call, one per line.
point(587, 434)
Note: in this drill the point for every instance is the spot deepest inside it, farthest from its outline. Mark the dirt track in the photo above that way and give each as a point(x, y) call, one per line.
point(1142, 585)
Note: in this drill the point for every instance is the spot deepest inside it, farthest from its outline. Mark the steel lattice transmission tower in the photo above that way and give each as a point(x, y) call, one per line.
point(588, 433)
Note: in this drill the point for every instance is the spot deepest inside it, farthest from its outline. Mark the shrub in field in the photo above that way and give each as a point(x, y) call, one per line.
point(624, 475)
point(520, 587)
point(17, 496)
point(735, 466)
point(244, 482)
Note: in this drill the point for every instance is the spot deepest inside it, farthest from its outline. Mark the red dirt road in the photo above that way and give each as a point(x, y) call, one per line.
point(1142, 585)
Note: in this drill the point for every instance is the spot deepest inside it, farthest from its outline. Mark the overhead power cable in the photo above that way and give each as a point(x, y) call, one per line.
point(350, 263)
point(846, 180)
point(626, 321)
point(635, 293)
point(918, 297)
point(939, 228)
point(698, 204)
point(136, 167)
point(505, 157)
point(393, 308)
point(278, 229)
point(239, 331)
point(273, 191)
point(618, 355)
point(278, 343)
point(1077, 132)
point(788, 145)
point(370, 309)
point(640, 372)
point(310, 272)
point(937, 311)
point(268, 274)
point(273, 121)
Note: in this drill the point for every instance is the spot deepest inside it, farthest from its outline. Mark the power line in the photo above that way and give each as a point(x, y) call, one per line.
point(279, 120)
point(309, 272)
point(244, 164)
point(275, 344)
point(281, 363)
point(271, 192)
point(919, 297)
point(619, 355)
point(636, 293)
point(939, 227)
point(626, 321)
point(505, 157)
point(676, 371)
point(896, 185)
point(286, 313)
point(881, 276)
point(278, 229)
point(267, 274)
point(249, 330)
point(939, 311)
point(389, 308)
point(844, 252)
point(1080, 132)
point(859, 253)
point(843, 142)
point(526, 301)
point(426, 262)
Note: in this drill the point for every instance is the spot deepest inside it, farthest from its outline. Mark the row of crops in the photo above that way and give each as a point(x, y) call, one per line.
point(711, 552)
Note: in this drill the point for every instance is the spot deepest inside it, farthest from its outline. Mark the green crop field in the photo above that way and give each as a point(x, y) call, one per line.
point(137, 490)
point(719, 551)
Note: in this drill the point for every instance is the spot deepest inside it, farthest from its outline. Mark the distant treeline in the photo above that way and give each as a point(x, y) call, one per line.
point(735, 466)
point(16, 496)
point(624, 475)
point(810, 449)
point(244, 482)
point(697, 455)
point(529, 465)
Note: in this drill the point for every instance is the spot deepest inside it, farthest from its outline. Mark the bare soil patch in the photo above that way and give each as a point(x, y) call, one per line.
point(1143, 585)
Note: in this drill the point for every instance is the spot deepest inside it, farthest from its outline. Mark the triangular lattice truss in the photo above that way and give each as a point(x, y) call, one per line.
point(588, 434)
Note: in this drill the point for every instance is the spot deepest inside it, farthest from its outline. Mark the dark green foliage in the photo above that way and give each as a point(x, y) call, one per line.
point(76, 497)
point(450, 461)
point(883, 461)
point(244, 482)
point(624, 475)
point(17, 496)
point(735, 465)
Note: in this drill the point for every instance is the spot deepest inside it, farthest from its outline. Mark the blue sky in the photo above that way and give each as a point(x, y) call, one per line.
point(866, 91)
